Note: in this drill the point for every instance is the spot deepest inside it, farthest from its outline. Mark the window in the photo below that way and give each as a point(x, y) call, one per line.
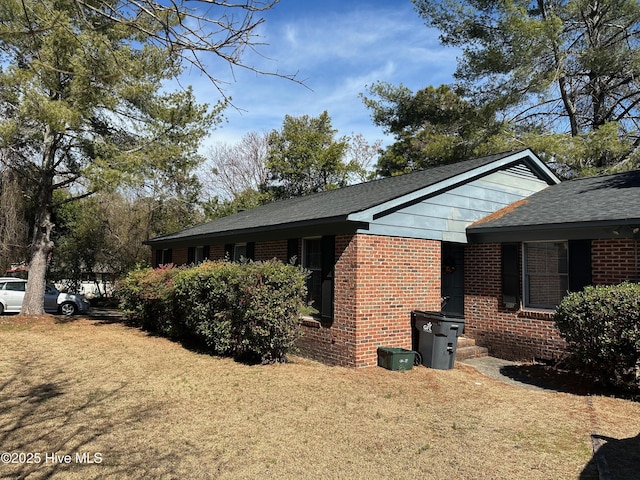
point(312, 261)
point(163, 257)
point(16, 286)
point(546, 277)
point(318, 256)
point(239, 251)
point(196, 255)
point(510, 275)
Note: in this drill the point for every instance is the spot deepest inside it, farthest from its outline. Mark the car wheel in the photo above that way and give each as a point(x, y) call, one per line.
point(1, 309)
point(68, 308)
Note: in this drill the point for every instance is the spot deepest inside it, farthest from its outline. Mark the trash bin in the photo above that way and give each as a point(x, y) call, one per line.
point(395, 358)
point(438, 337)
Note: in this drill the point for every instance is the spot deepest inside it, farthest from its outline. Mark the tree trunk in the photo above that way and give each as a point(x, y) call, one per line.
point(41, 245)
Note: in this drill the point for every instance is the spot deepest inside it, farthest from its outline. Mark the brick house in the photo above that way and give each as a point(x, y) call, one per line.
point(378, 250)
point(522, 260)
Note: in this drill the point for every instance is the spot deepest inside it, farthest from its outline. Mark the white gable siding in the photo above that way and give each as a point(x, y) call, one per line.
point(445, 216)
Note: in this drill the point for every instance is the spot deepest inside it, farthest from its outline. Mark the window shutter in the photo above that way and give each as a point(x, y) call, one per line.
point(158, 257)
point(191, 255)
point(228, 252)
point(328, 263)
point(292, 250)
point(510, 275)
point(168, 258)
point(205, 252)
point(251, 250)
point(579, 264)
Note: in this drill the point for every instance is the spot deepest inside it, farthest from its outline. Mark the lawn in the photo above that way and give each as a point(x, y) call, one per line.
point(139, 406)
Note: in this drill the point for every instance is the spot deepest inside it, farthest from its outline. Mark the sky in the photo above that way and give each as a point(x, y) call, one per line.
point(337, 48)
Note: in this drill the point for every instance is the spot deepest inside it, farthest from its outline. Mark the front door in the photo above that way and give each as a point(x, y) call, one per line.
point(452, 283)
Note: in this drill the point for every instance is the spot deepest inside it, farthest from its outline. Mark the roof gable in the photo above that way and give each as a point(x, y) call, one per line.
point(596, 206)
point(357, 203)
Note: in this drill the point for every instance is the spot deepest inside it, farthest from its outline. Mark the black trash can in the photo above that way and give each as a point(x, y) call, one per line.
point(438, 337)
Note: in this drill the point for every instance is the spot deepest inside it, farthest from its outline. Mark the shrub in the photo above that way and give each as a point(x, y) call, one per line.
point(147, 297)
point(271, 303)
point(206, 302)
point(601, 326)
point(249, 310)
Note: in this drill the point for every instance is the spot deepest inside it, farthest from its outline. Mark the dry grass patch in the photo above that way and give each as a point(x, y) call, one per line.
point(153, 409)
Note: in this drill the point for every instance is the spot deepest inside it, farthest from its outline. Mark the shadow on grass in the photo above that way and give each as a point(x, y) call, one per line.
point(614, 459)
point(565, 381)
point(45, 416)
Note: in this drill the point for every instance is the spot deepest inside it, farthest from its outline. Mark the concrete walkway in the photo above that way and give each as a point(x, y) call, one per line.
point(502, 370)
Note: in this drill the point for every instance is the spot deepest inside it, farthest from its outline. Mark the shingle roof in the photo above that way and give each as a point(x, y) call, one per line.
point(332, 204)
point(594, 200)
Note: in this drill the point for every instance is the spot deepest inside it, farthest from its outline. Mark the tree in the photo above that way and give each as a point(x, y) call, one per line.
point(434, 126)
point(563, 66)
point(14, 227)
point(304, 157)
point(236, 174)
point(361, 155)
point(83, 101)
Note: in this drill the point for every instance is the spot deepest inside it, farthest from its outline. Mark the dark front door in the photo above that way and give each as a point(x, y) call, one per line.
point(452, 289)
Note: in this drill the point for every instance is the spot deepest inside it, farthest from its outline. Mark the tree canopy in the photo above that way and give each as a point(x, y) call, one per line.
point(434, 126)
point(559, 66)
point(304, 157)
point(84, 101)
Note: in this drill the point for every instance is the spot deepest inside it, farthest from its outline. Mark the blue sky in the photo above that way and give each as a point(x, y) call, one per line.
point(337, 47)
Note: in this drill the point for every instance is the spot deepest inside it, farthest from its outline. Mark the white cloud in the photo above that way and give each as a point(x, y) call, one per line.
point(337, 50)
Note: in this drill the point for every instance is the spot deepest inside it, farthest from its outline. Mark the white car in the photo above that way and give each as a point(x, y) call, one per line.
point(12, 294)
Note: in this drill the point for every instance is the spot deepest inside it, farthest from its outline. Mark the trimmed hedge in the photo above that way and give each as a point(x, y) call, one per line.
point(249, 310)
point(601, 325)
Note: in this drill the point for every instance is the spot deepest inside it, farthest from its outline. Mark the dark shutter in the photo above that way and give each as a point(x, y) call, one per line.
point(158, 257)
point(579, 264)
point(228, 252)
point(168, 256)
point(292, 251)
point(251, 251)
point(328, 263)
point(191, 255)
point(510, 275)
point(205, 252)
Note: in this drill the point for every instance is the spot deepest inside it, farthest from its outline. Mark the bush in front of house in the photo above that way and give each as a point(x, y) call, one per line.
point(206, 296)
point(249, 310)
point(271, 300)
point(148, 298)
point(601, 326)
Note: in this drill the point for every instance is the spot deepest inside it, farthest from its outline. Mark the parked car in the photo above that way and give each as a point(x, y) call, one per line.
point(12, 294)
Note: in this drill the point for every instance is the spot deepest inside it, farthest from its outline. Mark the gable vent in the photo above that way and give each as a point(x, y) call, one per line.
point(521, 170)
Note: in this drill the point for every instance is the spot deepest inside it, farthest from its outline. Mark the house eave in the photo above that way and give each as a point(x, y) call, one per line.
point(307, 228)
point(604, 229)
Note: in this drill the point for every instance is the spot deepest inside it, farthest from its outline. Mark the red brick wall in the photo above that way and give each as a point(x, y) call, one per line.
point(614, 261)
point(179, 256)
point(270, 250)
point(519, 334)
point(508, 333)
point(334, 343)
point(378, 281)
point(216, 252)
point(394, 276)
